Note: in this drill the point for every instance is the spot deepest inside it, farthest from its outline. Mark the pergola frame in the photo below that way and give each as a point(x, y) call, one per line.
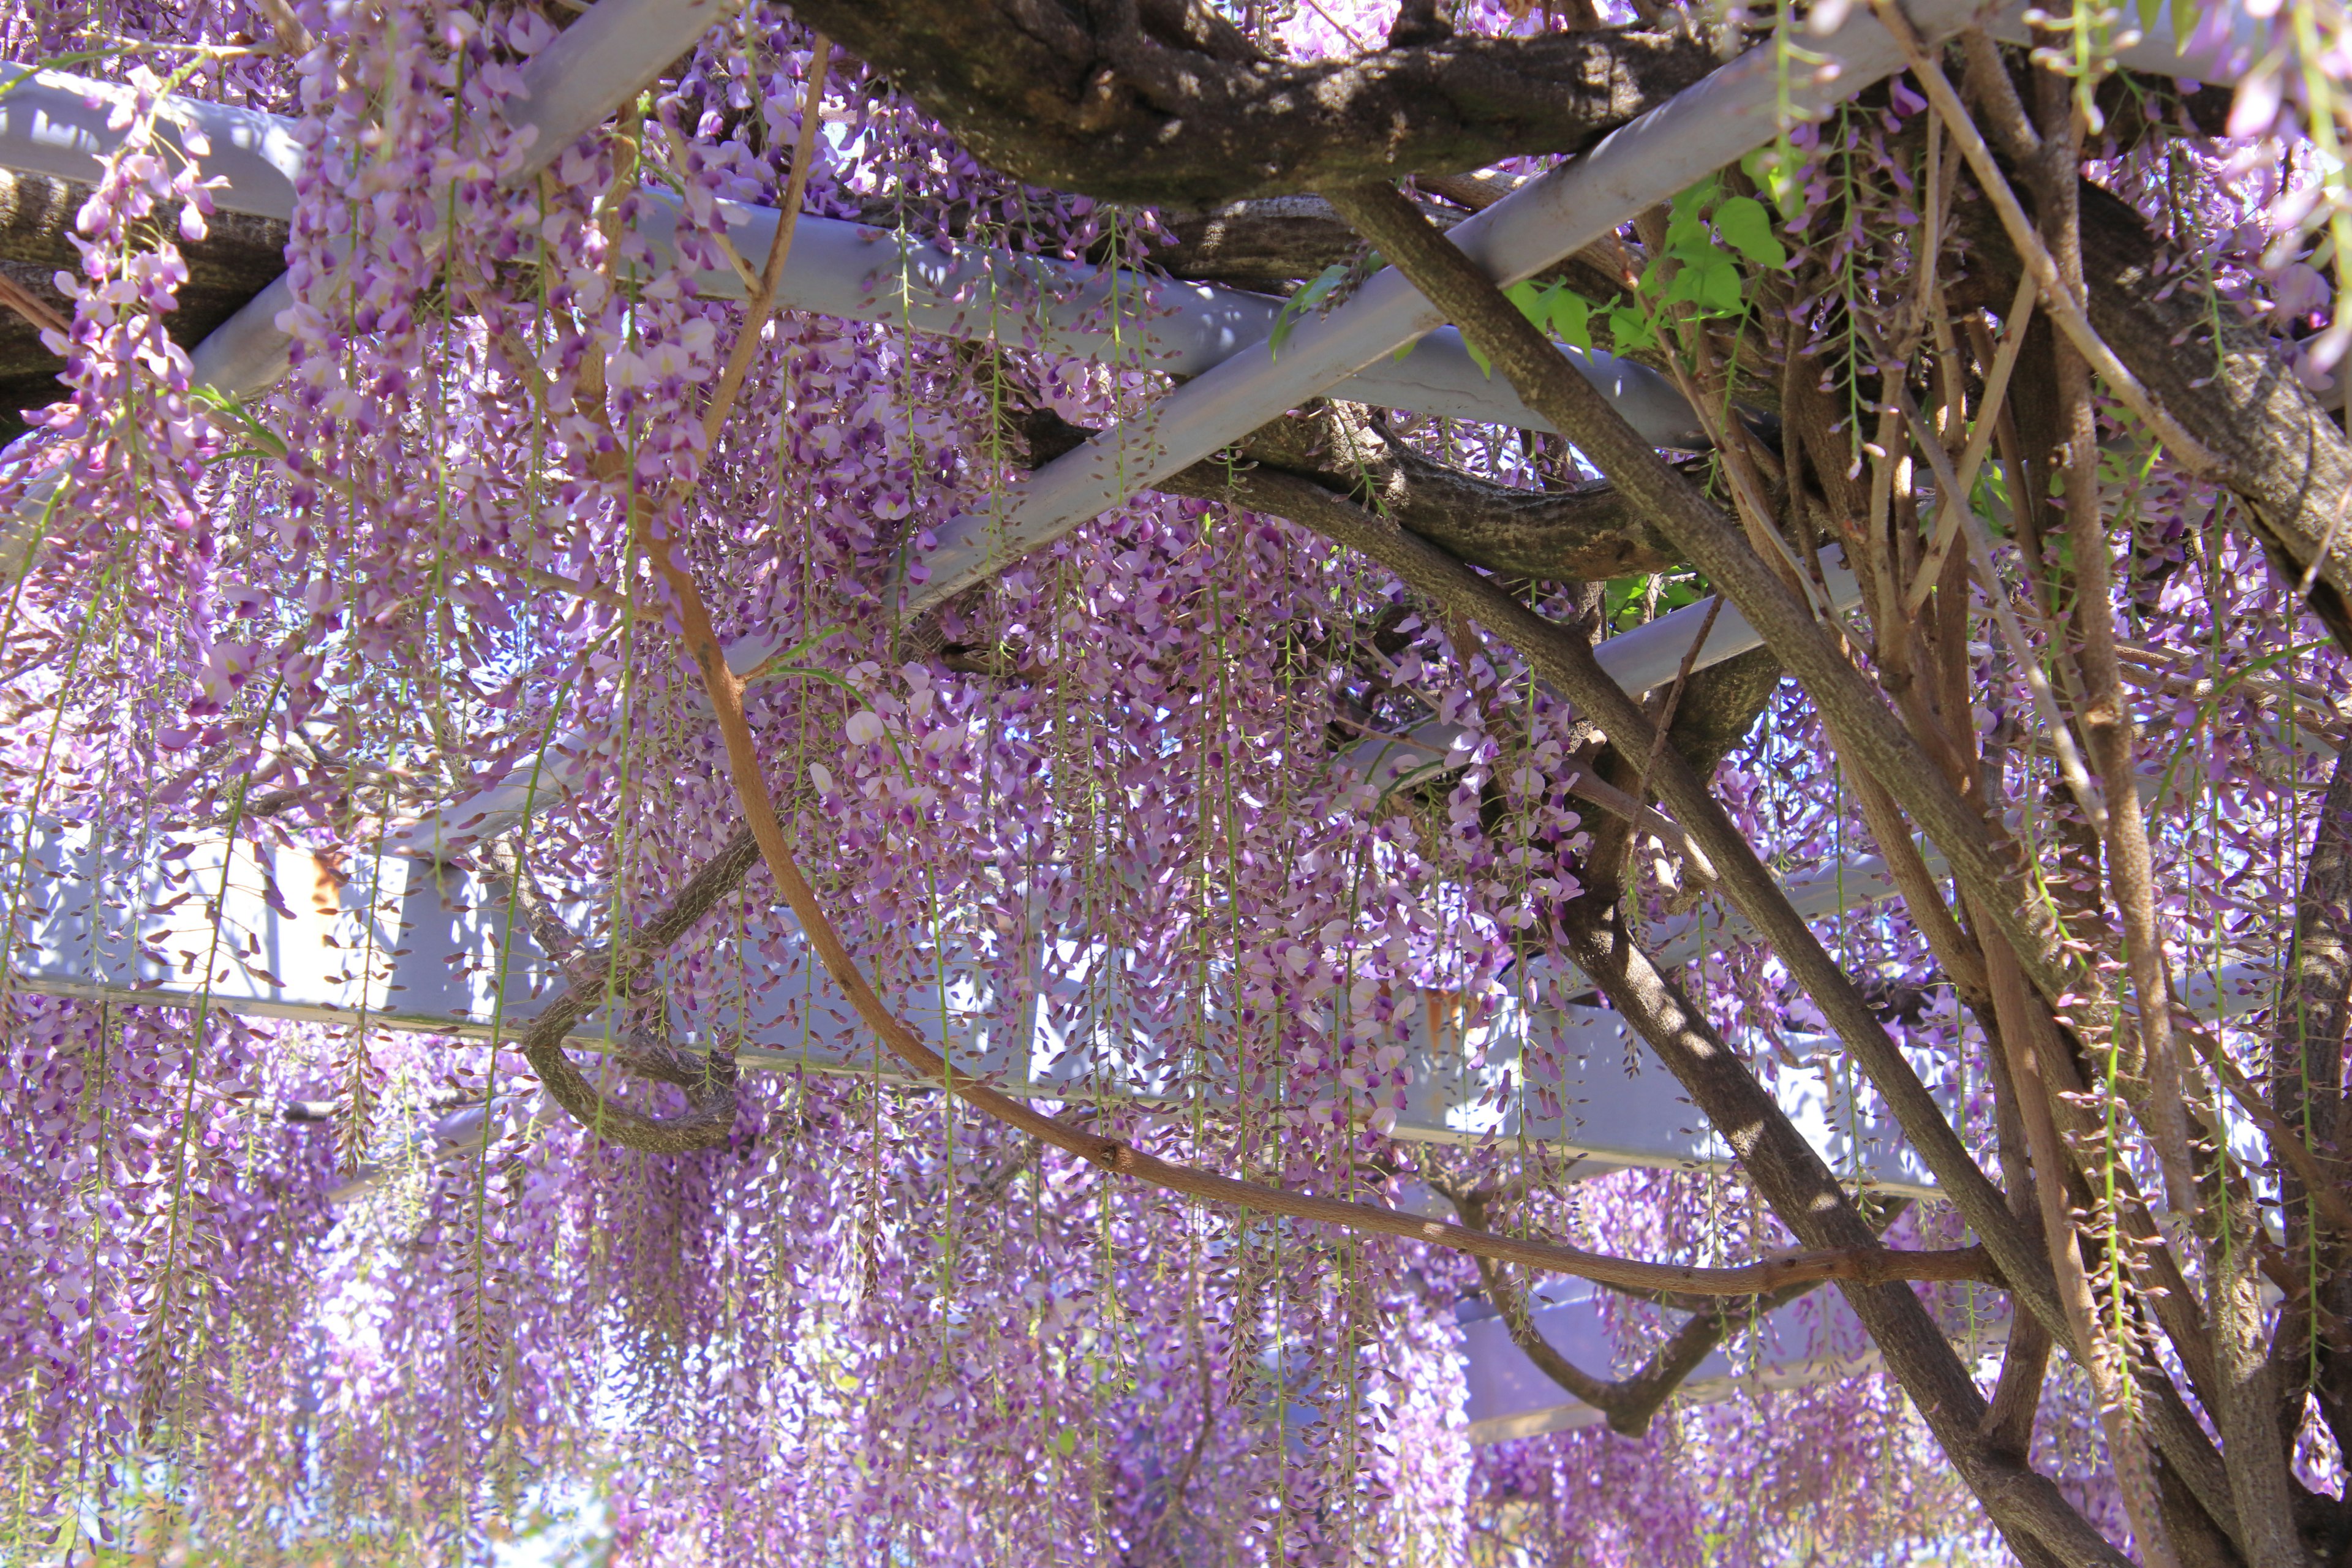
point(424, 944)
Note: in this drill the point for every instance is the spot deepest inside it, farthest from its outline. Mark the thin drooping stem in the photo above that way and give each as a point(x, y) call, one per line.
point(772, 271)
point(1952, 502)
point(709, 1086)
point(2105, 717)
point(2031, 1041)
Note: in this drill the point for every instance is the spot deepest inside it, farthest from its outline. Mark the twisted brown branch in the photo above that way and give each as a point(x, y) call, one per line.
point(1629, 1404)
point(709, 1083)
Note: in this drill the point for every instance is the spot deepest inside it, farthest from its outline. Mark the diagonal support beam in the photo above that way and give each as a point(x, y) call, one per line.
point(591, 70)
point(56, 125)
point(1734, 111)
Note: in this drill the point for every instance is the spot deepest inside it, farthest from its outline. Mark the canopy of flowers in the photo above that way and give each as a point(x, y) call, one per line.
point(2039, 351)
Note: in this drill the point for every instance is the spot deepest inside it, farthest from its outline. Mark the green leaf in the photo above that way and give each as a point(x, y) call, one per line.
point(1720, 287)
point(1711, 282)
point(1318, 287)
point(1065, 1442)
point(1775, 170)
point(1310, 294)
point(1485, 366)
point(1747, 227)
point(1557, 309)
point(1571, 317)
point(1620, 592)
point(1630, 330)
point(1685, 222)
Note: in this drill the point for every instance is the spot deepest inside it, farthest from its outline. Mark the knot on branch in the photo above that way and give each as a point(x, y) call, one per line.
point(708, 1084)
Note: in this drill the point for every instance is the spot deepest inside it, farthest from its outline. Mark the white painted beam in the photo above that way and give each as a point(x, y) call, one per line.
point(277, 932)
point(860, 273)
point(55, 124)
point(396, 943)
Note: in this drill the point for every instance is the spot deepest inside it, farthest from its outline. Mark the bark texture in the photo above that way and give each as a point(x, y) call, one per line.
point(1269, 242)
point(2306, 1092)
point(1806, 1197)
point(708, 1082)
point(1166, 101)
point(234, 261)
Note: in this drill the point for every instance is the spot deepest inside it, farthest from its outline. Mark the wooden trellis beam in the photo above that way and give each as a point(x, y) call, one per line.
point(399, 943)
